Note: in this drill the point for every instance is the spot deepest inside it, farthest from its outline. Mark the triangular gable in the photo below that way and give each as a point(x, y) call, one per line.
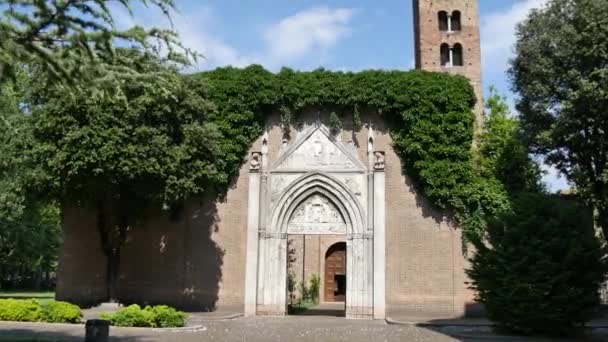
point(318, 150)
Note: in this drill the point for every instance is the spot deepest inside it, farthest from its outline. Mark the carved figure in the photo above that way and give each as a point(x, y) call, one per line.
point(254, 162)
point(379, 162)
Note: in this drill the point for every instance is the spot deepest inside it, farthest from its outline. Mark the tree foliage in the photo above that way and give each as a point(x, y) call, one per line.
point(544, 268)
point(502, 153)
point(74, 40)
point(561, 75)
point(149, 147)
point(30, 231)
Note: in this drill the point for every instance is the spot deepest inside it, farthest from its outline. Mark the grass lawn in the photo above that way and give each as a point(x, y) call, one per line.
point(43, 297)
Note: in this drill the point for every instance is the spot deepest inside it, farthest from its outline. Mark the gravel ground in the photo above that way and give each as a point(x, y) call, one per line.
point(290, 329)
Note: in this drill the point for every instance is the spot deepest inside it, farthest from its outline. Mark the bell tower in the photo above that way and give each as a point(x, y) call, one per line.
point(447, 39)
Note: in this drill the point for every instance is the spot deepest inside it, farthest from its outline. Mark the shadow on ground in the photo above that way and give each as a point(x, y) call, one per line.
point(471, 333)
point(322, 309)
point(31, 335)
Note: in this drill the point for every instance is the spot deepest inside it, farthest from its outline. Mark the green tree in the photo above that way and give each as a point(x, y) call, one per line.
point(145, 149)
point(560, 73)
point(74, 39)
point(544, 268)
point(502, 153)
point(30, 230)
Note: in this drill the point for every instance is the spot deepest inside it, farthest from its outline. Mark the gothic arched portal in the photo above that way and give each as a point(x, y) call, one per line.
point(317, 186)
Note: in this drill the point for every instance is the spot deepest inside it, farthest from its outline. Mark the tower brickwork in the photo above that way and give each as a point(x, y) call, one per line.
point(447, 39)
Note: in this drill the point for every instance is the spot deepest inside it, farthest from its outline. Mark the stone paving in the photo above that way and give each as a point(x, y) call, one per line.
point(292, 329)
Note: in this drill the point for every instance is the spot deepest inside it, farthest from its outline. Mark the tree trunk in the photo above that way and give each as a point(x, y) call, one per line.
point(601, 220)
point(113, 227)
point(112, 275)
point(600, 216)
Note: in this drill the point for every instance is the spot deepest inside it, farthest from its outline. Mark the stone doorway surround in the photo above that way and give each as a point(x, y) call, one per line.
point(318, 185)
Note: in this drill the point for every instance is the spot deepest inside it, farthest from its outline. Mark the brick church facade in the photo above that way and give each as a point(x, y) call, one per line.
point(334, 205)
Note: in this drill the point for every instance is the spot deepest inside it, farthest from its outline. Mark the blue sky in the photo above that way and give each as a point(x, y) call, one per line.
point(334, 34)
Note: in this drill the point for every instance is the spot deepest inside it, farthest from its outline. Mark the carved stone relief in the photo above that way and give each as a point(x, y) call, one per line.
point(316, 215)
point(379, 160)
point(255, 161)
point(317, 152)
point(278, 183)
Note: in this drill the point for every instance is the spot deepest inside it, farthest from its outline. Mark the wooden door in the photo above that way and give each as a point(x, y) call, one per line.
point(335, 273)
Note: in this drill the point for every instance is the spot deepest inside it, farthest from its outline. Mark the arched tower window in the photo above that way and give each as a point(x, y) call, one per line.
point(445, 55)
point(455, 21)
point(443, 21)
point(457, 58)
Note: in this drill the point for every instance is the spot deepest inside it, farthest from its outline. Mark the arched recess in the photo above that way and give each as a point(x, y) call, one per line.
point(458, 57)
point(329, 187)
point(442, 18)
point(334, 275)
point(455, 21)
point(272, 270)
point(444, 56)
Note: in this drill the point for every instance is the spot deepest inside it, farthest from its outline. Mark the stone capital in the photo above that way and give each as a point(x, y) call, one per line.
point(271, 235)
point(360, 236)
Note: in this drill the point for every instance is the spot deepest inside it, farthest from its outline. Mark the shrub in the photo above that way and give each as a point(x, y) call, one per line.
point(543, 269)
point(131, 316)
point(160, 316)
point(61, 312)
point(167, 317)
point(20, 310)
point(315, 286)
point(304, 291)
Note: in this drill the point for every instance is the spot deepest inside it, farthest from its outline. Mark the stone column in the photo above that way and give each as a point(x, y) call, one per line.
point(449, 23)
point(359, 276)
point(272, 296)
point(451, 61)
point(379, 238)
point(251, 271)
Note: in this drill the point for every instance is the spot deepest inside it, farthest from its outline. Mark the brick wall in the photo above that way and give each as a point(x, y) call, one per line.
point(428, 39)
point(197, 261)
point(194, 262)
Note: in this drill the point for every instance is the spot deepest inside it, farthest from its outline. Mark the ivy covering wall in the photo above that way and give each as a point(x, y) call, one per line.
point(429, 115)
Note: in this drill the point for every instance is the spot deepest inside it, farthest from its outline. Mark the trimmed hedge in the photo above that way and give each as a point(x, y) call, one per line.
point(30, 310)
point(160, 316)
point(61, 312)
point(20, 310)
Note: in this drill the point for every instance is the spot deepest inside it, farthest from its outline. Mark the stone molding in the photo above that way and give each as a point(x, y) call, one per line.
point(360, 236)
point(273, 235)
point(327, 144)
point(312, 183)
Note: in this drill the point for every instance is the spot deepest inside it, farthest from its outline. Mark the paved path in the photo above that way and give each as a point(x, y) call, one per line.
point(291, 329)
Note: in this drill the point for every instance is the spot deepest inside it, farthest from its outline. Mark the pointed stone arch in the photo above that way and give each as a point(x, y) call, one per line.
point(318, 183)
point(272, 271)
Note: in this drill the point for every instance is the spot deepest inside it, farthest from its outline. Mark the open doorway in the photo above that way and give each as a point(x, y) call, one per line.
point(313, 259)
point(335, 273)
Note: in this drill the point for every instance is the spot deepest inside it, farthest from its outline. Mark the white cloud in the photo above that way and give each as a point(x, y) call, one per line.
point(195, 33)
point(498, 35)
point(294, 41)
point(308, 32)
